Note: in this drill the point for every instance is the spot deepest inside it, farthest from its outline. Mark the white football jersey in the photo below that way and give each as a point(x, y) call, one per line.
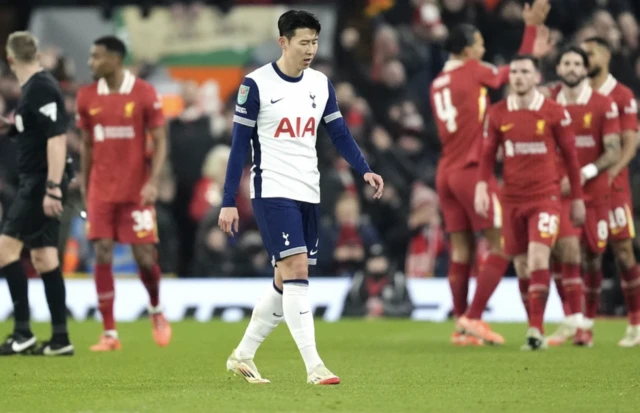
point(285, 113)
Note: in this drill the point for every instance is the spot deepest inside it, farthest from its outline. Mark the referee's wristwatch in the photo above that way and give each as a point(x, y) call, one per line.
point(53, 185)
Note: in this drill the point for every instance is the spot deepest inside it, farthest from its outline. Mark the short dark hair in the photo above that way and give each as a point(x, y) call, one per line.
point(112, 44)
point(529, 57)
point(576, 50)
point(460, 37)
point(601, 41)
point(297, 19)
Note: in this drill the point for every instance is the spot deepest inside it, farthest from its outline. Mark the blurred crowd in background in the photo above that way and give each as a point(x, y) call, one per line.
point(386, 53)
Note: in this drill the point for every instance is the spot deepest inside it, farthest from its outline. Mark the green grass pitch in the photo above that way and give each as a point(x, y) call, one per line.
point(385, 366)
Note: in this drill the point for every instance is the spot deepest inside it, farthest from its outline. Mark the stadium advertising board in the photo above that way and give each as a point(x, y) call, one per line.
point(233, 299)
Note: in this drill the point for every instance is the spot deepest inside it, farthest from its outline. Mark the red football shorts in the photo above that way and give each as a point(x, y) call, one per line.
point(531, 222)
point(595, 231)
point(126, 223)
point(456, 190)
point(621, 218)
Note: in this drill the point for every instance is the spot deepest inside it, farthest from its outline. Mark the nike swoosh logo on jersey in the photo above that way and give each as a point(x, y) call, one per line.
point(20, 347)
point(313, 252)
point(505, 128)
point(276, 101)
point(49, 352)
point(94, 111)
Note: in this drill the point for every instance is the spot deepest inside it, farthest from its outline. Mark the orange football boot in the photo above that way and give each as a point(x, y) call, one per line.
point(106, 343)
point(161, 329)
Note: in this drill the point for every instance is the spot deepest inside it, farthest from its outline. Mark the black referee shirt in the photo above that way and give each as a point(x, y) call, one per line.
point(40, 115)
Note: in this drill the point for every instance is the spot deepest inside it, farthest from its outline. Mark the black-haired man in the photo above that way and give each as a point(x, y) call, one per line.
point(279, 109)
point(115, 114)
point(459, 101)
point(621, 228)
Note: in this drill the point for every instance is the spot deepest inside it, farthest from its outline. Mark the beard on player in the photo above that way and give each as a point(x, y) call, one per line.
point(595, 71)
point(571, 79)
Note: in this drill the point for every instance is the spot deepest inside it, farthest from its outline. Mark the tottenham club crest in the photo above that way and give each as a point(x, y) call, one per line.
point(313, 100)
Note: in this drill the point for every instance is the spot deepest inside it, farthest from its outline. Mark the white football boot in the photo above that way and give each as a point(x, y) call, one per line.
point(245, 368)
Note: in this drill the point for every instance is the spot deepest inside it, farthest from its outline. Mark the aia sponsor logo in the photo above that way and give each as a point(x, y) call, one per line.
point(296, 128)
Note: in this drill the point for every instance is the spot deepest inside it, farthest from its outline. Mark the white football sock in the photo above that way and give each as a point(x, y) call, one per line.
point(297, 313)
point(266, 316)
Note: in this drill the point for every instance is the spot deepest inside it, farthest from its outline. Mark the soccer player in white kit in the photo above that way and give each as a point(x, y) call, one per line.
point(279, 108)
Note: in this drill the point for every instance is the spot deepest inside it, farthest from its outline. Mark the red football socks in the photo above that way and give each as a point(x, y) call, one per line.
point(592, 287)
point(151, 280)
point(631, 290)
point(106, 294)
point(538, 293)
point(459, 283)
point(572, 286)
point(488, 279)
point(523, 283)
point(556, 274)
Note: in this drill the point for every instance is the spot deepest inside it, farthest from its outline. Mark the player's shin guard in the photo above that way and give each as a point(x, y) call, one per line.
point(523, 284)
point(106, 295)
point(151, 279)
point(490, 275)
point(297, 313)
point(538, 293)
point(572, 286)
point(266, 316)
point(631, 290)
point(556, 274)
point(19, 290)
point(459, 282)
point(592, 288)
point(56, 294)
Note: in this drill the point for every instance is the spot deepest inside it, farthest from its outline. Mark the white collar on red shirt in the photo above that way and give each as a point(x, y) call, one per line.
point(583, 97)
point(536, 102)
point(125, 87)
point(452, 65)
point(608, 85)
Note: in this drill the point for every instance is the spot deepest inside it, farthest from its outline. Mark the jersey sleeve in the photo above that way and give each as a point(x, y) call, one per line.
point(566, 140)
point(50, 113)
point(153, 115)
point(244, 128)
point(489, 145)
point(628, 112)
point(342, 139)
point(490, 76)
point(611, 121)
point(82, 115)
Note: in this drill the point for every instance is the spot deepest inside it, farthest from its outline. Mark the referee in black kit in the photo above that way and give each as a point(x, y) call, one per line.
point(32, 220)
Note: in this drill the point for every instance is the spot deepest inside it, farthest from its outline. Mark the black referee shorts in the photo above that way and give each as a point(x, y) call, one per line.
point(25, 219)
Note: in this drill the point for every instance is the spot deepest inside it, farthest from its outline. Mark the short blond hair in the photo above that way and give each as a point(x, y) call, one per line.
point(23, 46)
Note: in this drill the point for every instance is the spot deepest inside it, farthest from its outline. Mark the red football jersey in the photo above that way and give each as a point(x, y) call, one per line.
point(459, 102)
point(529, 138)
point(628, 109)
point(593, 116)
point(118, 125)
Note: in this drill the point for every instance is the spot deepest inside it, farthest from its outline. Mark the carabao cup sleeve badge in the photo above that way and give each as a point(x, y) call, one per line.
point(243, 93)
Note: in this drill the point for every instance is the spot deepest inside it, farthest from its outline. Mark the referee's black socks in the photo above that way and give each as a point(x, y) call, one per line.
point(19, 290)
point(56, 294)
